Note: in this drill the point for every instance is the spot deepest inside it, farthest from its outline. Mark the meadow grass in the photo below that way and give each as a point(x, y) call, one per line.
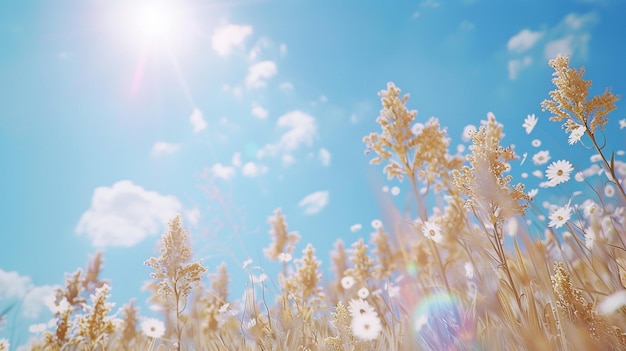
point(464, 272)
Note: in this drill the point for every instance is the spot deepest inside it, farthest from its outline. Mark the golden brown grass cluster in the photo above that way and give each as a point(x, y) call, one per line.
point(483, 268)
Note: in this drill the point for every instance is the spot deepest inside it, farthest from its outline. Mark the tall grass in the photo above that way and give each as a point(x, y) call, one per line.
point(464, 274)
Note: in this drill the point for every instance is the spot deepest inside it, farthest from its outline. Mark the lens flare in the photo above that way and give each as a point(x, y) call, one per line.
point(440, 323)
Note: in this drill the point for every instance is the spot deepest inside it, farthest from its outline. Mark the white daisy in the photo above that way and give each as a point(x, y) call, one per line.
point(529, 123)
point(153, 328)
point(347, 282)
point(560, 216)
point(358, 307)
point(622, 123)
point(558, 172)
point(541, 157)
point(4, 344)
point(284, 257)
point(366, 327)
point(376, 224)
point(432, 231)
point(609, 190)
point(395, 191)
point(536, 143)
point(363, 293)
point(576, 134)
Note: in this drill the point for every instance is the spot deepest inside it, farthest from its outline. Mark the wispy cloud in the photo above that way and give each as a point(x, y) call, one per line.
point(523, 40)
point(282, 50)
point(164, 148)
point(315, 202)
point(228, 37)
point(301, 131)
point(223, 172)
point(259, 72)
point(197, 121)
point(516, 65)
point(324, 156)
point(259, 112)
point(568, 37)
point(251, 169)
point(125, 214)
point(19, 287)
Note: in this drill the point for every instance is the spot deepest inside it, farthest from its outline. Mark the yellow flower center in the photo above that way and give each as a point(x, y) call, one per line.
point(559, 172)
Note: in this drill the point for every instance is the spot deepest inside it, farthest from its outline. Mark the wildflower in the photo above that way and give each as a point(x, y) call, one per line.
point(576, 134)
point(284, 257)
point(541, 157)
point(395, 191)
point(560, 216)
point(347, 282)
point(377, 224)
point(4, 345)
point(417, 128)
point(609, 190)
point(536, 143)
point(359, 307)
point(363, 293)
point(355, 227)
point(153, 328)
point(558, 172)
point(590, 238)
point(579, 177)
point(432, 231)
point(366, 327)
point(533, 192)
point(529, 123)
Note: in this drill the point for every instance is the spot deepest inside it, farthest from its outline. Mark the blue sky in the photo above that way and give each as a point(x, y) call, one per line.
point(115, 115)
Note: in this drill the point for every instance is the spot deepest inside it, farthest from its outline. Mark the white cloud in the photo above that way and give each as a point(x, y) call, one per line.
point(260, 45)
point(251, 169)
point(16, 286)
point(258, 72)
point(523, 41)
point(164, 148)
point(221, 171)
point(571, 36)
point(563, 46)
point(516, 65)
point(315, 202)
point(324, 156)
point(283, 50)
point(193, 216)
point(236, 159)
point(228, 37)
point(301, 130)
point(285, 86)
point(259, 112)
point(197, 120)
point(125, 214)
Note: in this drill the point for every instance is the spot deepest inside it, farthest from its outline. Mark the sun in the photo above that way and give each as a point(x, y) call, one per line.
point(156, 23)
